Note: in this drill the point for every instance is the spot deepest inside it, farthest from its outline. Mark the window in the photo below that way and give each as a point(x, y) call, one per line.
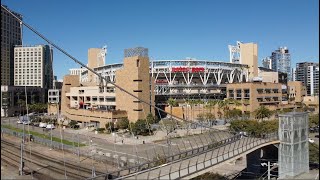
point(137, 80)
point(110, 99)
point(268, 91)
point(137, 90)
point(231, 93)
point(247, 93)
point(275, 90)
point(239, 95)
point(138, 63)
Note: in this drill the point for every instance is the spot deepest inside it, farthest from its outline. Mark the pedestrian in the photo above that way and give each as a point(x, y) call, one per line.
point(122, 141)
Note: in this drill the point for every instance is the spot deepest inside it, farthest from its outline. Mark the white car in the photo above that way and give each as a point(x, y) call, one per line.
point(311, 140)
point(43, 125)
point(50, 126)
point(19, 122)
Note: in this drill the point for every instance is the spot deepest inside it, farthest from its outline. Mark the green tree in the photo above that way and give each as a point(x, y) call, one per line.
point(313, 120)
point(211, 104)
point(150, 119)
point(168, 126)
point(110, 127)
point(262, 112)
point(254, 127)
point(123, 123)
point(313, 153)
point(72, 123)
point(234, 114)
point(141, 127)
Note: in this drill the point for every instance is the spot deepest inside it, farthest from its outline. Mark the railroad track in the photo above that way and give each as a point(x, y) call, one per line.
point(41, 164)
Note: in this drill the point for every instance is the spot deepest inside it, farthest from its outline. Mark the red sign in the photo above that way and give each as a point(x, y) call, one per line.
point(186, 69)
point(197, 69)
point(161, 81)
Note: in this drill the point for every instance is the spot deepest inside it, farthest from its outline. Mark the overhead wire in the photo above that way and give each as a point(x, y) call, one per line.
point(83, 65)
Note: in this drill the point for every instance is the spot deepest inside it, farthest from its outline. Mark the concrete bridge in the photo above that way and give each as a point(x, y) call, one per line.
point(189, 166)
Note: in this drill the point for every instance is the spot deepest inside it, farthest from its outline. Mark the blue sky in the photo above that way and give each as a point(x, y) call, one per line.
point(172, 29)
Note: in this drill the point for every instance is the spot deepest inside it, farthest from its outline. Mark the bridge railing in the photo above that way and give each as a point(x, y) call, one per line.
point(185, 154)
point(229, 148)
point(185, 167)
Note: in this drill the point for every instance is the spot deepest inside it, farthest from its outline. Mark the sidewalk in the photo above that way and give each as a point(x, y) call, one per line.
point(159, 135)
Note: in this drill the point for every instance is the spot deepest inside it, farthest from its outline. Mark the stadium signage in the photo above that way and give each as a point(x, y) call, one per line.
point(187, 69)
point(161, 81)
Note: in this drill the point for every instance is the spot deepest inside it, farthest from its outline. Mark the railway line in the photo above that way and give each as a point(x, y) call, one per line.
point(42, 166)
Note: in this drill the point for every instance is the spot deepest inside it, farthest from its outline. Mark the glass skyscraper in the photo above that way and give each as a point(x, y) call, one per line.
point(281, 61)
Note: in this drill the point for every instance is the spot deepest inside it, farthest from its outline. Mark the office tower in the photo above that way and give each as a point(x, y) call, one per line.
point(10, 36)
point(308, 74)
point(281, 61)
point(266, 63)
point(33, 66)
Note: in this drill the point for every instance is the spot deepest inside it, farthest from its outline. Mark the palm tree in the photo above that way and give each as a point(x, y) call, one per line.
point(211, 104)
point(263, 112)
point(221, 105)
point(171, 102)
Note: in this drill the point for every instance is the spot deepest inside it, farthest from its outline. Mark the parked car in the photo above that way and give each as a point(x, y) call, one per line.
point(50, 126)
point(19, 122)
point(43, 125)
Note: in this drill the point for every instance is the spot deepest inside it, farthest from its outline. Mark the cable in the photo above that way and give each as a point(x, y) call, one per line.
point(83, 65)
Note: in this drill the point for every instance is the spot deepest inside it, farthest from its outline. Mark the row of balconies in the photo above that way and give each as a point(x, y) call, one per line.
point(267, 99)
point(267, 91)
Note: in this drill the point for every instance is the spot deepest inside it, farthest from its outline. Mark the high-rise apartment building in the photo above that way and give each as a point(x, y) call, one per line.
point(308, 74)
point(281, 61)
point(266, 63)
point(33, 66)
point(10, 36)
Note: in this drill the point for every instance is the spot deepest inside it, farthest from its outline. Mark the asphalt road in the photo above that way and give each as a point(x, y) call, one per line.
point(138, 152)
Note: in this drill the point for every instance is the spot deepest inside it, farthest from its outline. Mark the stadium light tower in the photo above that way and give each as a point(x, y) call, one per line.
point(235, 53)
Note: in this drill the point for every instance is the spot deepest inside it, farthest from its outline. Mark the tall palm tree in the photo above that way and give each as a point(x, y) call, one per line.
point(221, 105)
point(211, 104)
point(171, 102)
point(263, 112)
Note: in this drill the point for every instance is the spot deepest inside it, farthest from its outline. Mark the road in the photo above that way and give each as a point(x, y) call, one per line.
point(132, 152)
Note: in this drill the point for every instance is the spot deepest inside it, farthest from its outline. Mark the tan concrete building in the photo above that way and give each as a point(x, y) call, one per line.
point(93, 103)
point(249, 56)
point(257, 94)
point(271, 77)
point(296, 91)
point(134, 77)
point(312, 101)
point(83, 103)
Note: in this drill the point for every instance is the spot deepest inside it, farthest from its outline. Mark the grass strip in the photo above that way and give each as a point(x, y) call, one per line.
point(40, 135)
